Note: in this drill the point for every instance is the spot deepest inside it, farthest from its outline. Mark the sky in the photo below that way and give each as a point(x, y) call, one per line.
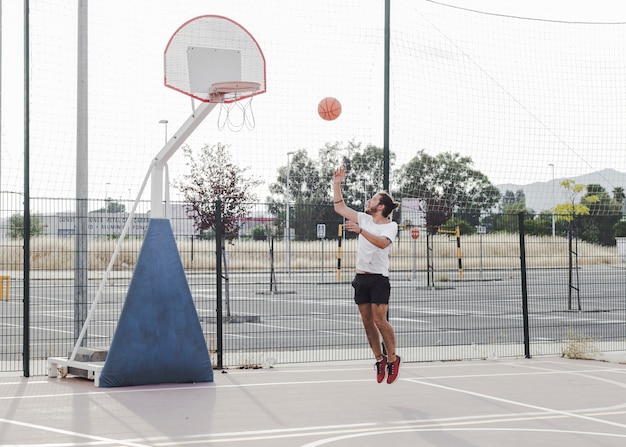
point(128, 98)
point(568, 10)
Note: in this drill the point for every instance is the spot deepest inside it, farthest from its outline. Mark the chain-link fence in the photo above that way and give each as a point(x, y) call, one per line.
point(457, 292)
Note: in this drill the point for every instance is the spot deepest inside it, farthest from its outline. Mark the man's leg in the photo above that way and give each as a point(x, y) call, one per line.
point(373, 337)
point(371, 330)
point(379, 314)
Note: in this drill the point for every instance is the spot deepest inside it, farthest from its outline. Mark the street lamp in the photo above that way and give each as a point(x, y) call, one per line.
point(106, 194)
point(553, 199)
point(106, 209)
point(287, 228)
point(164, 122)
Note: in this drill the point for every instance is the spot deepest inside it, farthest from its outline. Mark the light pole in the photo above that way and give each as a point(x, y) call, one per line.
point(287, 228)
point(106, 194)
point(106, 208)
point(164, 122)
point(553, 199)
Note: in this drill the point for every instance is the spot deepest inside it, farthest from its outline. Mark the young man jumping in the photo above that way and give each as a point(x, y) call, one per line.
point(371, 283)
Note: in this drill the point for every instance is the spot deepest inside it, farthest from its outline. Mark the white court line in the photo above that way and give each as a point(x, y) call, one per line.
point(520, 404)
point(72, 433)
point(584, 374)
point(359, 430)
point(452, 429)
point(348, 431)
point(344, 334)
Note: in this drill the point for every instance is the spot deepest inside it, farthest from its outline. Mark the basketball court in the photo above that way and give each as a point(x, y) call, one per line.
point(519, 402)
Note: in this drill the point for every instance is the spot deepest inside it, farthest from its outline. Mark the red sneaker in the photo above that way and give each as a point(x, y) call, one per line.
point(381, 369)
point(393, 369)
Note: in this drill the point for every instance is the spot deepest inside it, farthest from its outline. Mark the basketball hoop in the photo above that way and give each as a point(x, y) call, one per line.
point(232, 91)
point(235, 99)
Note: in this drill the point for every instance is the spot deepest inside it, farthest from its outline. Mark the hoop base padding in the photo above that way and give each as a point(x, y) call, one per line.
point(158, 338)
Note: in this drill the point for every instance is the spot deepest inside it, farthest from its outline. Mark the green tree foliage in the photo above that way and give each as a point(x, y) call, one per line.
point(604, 213)
point(514, 203)
point(307, 194)
point(539, 225)
point(448, 182)
point(364, 170)
point(111, 206)
point(465, 228)
point(511, 205)
point(594, 216)
point(619, 229)
point(213, 175)
point(618, 194)
point(570, 210)
point(310, 183)
point(16, 226)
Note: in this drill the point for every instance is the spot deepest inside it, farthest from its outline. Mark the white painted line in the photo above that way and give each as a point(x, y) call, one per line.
point(521, 404)
point(71, 433)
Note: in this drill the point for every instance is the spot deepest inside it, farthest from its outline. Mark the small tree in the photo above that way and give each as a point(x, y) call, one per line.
point(214, 176)
point(16, 226)
point(571, 212)
point(111, 206)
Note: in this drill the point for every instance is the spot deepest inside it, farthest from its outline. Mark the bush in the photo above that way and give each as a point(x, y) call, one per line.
point(259, 233)
point(619, 229)
point(464, 227)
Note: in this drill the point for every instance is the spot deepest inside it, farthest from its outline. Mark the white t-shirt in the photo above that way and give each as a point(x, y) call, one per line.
point(370, 258)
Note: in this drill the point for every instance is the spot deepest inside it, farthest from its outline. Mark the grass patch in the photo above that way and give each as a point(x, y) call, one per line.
point(578, 346)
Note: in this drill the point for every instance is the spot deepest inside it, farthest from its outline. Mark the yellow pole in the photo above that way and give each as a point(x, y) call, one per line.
point(4, 289)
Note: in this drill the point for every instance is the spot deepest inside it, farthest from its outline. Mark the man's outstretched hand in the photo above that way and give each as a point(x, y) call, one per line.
point(339, 175)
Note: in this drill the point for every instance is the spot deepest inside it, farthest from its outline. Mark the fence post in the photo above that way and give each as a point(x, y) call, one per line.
point(339, 252)
point(218, 281)
point(522, 251)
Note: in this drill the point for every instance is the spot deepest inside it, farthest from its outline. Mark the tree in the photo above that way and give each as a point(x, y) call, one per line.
point(310, 184)
point(214, 176)
point(514, 203)
point(511, 205)
point(308, 195)
point(604, 213)
point(111, 206)
point(618, 194)
point(448, 179)
point(570, 210)
point(16, 226)
point(572, 213)
point(364, 170)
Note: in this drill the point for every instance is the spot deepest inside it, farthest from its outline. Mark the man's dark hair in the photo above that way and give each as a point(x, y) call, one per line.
point(387, 201)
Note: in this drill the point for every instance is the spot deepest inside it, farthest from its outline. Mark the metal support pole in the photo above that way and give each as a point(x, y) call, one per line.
point(287, 227)
point(524, 286)
point(218, 283)
point(26, 229)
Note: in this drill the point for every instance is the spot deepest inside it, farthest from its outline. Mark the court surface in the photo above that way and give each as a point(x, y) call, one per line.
point(508, 402)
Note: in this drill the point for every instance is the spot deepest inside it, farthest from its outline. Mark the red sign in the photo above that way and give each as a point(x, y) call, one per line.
point(415, 233)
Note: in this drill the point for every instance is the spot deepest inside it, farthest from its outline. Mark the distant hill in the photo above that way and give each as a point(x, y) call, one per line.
point(539, 196)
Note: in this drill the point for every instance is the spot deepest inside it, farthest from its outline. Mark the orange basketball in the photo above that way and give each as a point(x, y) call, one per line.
point(329, 108)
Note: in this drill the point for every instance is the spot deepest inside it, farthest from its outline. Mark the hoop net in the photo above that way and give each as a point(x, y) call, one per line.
point(235, 99)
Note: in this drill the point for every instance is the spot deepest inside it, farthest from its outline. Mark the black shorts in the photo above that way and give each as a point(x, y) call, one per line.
point(371, 288)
